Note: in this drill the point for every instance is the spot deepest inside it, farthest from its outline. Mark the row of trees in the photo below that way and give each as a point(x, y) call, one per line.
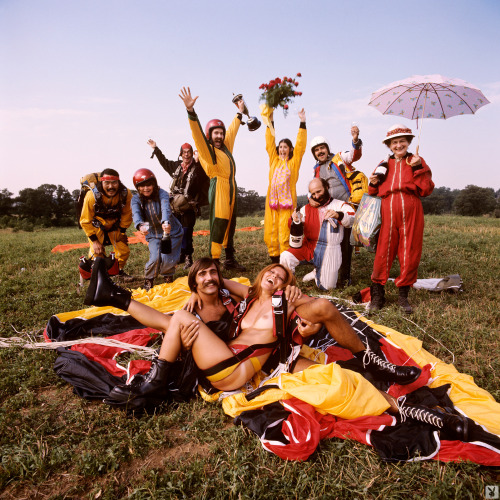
point(50, 205)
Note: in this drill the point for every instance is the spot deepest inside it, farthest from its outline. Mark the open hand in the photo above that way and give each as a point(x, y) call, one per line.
point(152, 143)
point(193, 302)
point(292, 293)
point(187, 98)
point(189, 333)
point(302, 115)
point(313, 202)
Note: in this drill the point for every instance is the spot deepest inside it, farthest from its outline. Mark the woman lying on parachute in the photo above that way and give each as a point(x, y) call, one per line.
point(253, 332)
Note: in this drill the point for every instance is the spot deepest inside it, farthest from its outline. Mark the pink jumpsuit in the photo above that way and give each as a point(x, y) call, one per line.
point(402, 227)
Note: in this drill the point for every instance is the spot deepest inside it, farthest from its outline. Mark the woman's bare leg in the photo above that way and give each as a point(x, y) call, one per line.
point(208, 349)
point(148, 316)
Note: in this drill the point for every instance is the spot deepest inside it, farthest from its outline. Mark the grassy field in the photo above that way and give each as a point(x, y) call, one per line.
point(55, 445)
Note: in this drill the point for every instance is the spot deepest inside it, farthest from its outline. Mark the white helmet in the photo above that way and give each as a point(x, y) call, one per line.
point(318, 141)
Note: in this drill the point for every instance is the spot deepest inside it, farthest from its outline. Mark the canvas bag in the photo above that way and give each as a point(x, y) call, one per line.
point(367, 222)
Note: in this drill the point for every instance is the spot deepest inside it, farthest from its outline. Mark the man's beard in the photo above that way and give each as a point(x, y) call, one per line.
point(322, 199)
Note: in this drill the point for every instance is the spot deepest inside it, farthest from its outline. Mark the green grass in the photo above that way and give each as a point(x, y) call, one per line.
point(55, 445)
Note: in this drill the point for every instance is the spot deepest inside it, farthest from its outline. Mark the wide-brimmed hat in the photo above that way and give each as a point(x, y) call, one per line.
point(397, 130)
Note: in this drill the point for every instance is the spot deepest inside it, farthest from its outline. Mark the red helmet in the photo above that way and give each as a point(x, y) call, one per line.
point(215, 123)
point(142, 175)
point(186, 147)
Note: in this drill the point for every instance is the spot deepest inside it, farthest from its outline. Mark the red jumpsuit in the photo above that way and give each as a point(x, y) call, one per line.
point(402, 227)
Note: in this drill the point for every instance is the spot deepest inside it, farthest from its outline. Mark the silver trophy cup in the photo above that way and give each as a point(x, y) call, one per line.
point(253, 123)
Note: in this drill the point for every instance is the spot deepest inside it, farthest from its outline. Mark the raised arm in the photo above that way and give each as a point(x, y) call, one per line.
point(271, 146)
point(301, 142)
point(354, 154)
point(168, 165)
point(237, 289)
point(205, 153)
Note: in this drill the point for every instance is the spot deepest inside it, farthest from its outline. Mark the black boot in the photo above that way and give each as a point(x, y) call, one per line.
point(102, 291)
point(403, 299)
point(453, 426)
point(377, 294)
point(148, 390)
point(231, 262)
point(383, 370)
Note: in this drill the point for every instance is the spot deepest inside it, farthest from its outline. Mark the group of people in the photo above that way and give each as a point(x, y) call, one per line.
point(334, 194)
point(228, 327)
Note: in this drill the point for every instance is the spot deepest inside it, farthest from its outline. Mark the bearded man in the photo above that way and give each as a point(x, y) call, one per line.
point(324, 220)
point(215, 151)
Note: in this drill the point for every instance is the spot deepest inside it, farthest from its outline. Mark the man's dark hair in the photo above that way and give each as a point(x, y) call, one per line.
point(110, 171)
point(200, 265)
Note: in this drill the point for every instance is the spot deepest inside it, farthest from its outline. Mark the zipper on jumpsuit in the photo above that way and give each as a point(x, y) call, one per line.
point(397, 172)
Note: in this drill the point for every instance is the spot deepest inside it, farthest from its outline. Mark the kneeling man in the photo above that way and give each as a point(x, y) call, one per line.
point(324, 221)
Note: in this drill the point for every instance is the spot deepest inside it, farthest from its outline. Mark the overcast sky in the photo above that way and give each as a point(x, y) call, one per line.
point(84, 84)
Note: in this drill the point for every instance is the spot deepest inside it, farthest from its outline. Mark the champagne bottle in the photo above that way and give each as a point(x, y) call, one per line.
point(296, 232)
point(166, 243)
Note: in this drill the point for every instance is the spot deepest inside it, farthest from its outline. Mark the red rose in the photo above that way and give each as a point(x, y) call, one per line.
point(300, 93)
point(285, 78)
point(299, 74)
point(295, 93)
point(286, 106)
point(296, 84)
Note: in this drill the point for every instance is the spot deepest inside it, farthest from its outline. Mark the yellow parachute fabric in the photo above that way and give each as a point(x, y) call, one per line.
point(166, 298)
point(329, 388)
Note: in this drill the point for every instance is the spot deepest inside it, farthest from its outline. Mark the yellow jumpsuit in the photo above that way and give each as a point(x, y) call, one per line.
point(121, 248)
point(220, 167)
point(276, 230)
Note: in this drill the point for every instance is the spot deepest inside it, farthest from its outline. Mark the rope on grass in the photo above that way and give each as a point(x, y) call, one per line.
point(21, 342)
point(433, 338)
point(349, 302)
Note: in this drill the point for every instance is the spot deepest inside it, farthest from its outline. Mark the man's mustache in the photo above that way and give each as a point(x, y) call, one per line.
point(211, 282)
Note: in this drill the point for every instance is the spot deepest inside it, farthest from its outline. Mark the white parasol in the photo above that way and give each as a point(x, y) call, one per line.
point(430, 96)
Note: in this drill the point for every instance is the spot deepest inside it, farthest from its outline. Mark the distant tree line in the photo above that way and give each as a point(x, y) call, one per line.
point(49, 205)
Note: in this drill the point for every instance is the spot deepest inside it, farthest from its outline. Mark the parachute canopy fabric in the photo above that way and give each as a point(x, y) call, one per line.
point(323, 401)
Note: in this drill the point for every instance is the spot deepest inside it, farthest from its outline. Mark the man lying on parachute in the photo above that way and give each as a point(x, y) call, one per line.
point(231, 363)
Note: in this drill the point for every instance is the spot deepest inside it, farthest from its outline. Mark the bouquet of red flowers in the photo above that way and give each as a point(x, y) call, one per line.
point(280, 92)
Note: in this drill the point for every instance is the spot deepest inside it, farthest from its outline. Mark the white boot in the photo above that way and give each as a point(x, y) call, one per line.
point(309, 276)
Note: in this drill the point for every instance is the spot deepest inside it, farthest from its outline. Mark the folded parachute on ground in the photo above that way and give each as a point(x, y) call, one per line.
point(286, 425)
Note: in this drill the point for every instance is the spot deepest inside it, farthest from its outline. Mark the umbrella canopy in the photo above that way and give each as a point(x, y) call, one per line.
point(431, 96)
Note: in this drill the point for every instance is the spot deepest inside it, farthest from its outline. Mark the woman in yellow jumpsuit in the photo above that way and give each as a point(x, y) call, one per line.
point(284, 165)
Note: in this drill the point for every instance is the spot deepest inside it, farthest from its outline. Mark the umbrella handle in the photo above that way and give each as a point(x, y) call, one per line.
point(421, 123)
